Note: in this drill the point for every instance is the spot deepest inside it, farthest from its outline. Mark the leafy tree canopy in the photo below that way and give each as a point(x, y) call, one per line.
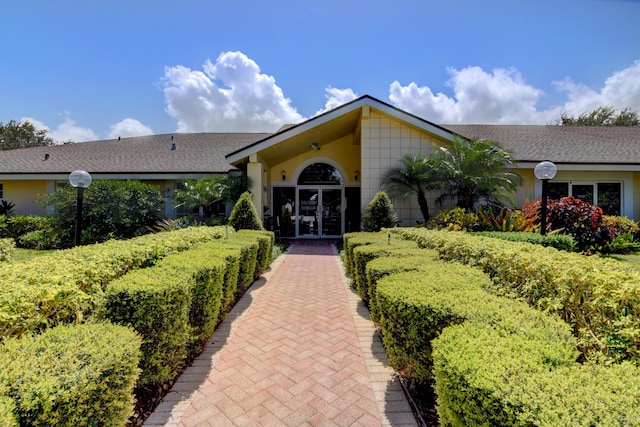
point(603, 116)
point(22, 135)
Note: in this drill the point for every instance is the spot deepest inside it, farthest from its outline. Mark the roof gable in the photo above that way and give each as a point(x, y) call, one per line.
point(333, 124)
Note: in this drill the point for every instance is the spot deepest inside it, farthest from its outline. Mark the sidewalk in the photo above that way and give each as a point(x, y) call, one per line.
point(297, 349)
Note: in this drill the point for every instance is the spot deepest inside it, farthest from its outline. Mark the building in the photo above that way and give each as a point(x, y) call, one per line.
point(315, 178)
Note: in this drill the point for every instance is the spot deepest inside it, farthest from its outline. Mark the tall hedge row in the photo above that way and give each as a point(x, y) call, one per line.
point(494, 360)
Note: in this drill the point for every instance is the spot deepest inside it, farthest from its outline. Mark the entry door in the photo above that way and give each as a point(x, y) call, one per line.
point(319, 212)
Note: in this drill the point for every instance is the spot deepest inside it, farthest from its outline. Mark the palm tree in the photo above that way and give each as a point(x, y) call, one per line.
point(417, 176)
point(473, 170)
point(207, 191)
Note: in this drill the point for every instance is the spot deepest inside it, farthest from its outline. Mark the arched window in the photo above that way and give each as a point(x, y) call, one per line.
point(320, 174)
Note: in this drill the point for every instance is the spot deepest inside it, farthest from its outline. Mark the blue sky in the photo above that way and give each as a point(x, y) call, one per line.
point(90, 70)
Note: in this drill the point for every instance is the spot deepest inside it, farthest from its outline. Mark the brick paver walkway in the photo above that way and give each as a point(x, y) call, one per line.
point(298, 349)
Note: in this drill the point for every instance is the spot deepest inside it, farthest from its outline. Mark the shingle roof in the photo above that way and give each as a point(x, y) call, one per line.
point(194, 153)
point(561, 144)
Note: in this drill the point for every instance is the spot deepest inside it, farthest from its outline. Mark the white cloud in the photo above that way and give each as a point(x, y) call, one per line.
point(500, 97)
point(336, 97)
point(230, 95)
point(620, 90)
point(129, 127)
point(503, 97)
point(66, 131)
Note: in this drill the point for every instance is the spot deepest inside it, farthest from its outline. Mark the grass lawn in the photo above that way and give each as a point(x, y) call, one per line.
point(633, 259)
point(25, 254)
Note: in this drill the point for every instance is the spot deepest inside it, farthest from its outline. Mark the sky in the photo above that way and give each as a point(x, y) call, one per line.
point(90, 70)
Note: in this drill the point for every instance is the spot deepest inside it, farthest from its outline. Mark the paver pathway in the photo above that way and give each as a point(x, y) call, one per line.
point(297, 349)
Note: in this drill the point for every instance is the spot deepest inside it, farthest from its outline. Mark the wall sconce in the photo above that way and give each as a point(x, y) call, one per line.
point(284, 175)
point(315, 146)
point(356, 175)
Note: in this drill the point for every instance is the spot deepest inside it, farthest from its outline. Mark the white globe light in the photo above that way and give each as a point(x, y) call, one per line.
point(545, 170)
point(80, 178)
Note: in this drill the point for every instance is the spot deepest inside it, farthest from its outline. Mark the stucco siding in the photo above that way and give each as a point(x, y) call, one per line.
point(384, 140)
point(24, 195)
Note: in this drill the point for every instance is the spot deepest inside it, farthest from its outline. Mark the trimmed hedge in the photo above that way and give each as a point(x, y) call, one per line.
point(415, 307)
point(562, 242)
point(62, 287)
point(266, 240)
point(207, 269)
point(175, 305)
point(598, 297)
point(494, 360)
point(75, 375)
point(155, 302)
point(364, 253)
point(486, 376)
point(384, 266)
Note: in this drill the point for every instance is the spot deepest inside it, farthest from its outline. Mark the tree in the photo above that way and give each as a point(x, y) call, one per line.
point(379, 213)
point(602, 116)
point(111, 209)
point(471, 171)
point(22, 135)
point(244, 215)
point(417, 176)
point(208, 191)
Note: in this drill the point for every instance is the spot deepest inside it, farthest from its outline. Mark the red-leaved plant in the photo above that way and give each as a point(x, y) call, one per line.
point(578, 218)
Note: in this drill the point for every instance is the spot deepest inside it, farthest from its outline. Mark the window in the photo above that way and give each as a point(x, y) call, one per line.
point(1, 191)
point(607, 195)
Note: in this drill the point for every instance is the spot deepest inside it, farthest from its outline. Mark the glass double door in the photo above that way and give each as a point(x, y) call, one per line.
point(319, 212)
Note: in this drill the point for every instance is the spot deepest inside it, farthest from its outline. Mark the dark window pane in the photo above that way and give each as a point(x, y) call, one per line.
point(583, 192)
point(558, 190)
point(320, 174)
point(610, 197)
point(283, 211)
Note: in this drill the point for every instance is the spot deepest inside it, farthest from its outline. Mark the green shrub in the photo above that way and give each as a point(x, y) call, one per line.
point(455, 219)
point(384, 266)
point(561, 242)
point(364, 253)
point(155, 302)
point(379, 213)
point(598, 297)
point(7, 249)
point(111, 209)
point(207, 269)
point(488, 376)
point(244, 215)
point(248, 262)
point(416, 306)
point(505, 220)
point(266, 240)
point(353, 240)
point(15, 226)
point(61, 287)
point(72, 375)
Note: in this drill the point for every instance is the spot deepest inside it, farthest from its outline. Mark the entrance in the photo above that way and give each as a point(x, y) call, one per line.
point(319, 212)
point(318, 206)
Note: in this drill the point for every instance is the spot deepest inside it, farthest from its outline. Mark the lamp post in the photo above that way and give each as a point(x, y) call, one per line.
point(544, 171)
point(79, 179)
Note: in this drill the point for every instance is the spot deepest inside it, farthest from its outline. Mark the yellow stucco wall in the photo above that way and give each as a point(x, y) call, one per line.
point(342, 153)
point(24, 194)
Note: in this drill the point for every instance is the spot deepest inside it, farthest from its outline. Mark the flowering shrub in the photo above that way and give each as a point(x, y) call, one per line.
point(582, 220)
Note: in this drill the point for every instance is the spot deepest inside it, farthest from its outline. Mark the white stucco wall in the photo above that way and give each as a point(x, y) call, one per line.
point(383, 141)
